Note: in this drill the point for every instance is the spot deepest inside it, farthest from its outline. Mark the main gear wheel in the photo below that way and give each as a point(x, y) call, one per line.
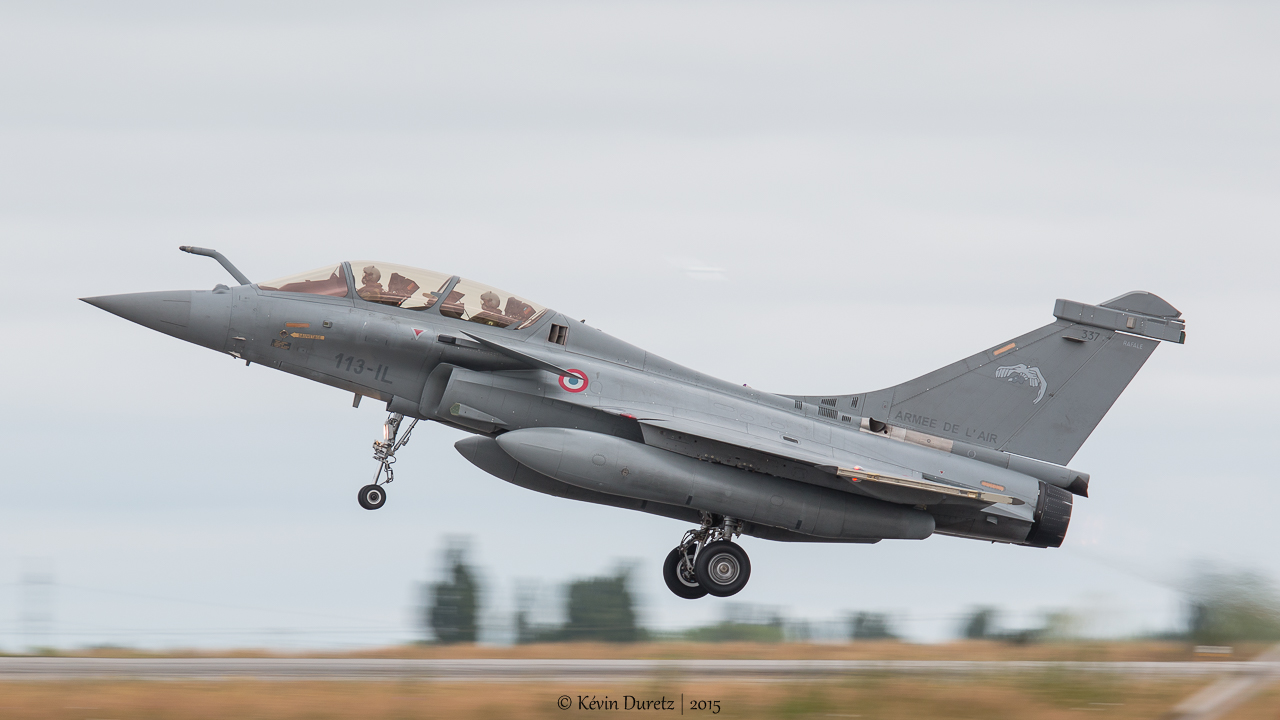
point(722, 568)
point(678, 571)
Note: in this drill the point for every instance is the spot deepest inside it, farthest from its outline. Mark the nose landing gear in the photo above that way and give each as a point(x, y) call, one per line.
point(707, 561)
point(374, 496)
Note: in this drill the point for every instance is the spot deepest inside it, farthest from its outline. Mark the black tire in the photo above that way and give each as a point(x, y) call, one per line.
point(372, 497)
point(722, 568)
point(680, 585)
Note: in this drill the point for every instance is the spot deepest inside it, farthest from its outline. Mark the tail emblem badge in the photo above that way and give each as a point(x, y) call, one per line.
point(1021, 373)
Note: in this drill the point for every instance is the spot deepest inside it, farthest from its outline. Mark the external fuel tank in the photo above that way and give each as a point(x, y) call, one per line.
point(615, 466)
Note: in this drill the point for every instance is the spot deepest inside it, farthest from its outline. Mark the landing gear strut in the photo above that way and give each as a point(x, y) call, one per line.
point(707, 561)
point(373, 496)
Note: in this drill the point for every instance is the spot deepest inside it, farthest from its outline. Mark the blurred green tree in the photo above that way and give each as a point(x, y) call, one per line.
point(1231, 606)
point(870, 626)
point(455, 601)
point(980, 624)
point(601, 608)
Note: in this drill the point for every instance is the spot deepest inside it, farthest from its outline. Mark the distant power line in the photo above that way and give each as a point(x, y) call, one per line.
point(254, 631)
point(207, 603)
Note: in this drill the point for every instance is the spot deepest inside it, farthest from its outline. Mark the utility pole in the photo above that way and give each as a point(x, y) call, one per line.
point(36, 615)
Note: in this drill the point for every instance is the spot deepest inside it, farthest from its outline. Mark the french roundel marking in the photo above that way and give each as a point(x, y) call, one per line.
point(575, 384)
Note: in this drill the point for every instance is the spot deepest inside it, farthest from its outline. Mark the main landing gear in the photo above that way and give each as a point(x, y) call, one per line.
point(707, 561)
point(373, 496)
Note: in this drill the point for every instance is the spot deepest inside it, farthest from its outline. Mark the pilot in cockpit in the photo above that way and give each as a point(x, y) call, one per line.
point(370, 284)
point(491, 302)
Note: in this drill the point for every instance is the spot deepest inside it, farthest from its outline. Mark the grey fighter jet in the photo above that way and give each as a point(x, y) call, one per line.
point(977, 449)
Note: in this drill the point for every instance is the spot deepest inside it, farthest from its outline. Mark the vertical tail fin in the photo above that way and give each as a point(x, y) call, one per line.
point(1039, 395)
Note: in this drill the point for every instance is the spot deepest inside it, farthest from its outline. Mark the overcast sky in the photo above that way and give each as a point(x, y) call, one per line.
point(806, 197)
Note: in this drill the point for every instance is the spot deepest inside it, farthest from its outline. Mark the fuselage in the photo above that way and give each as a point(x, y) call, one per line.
point(423, 362)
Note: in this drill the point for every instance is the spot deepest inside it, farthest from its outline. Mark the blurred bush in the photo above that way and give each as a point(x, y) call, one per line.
point(601, 608)
point(1231, 606)
point(870, 626)
point(598, 608)
point(731, 631)
point(981, 623)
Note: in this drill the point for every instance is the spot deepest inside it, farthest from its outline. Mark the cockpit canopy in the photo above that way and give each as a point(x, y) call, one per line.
point(414, 289)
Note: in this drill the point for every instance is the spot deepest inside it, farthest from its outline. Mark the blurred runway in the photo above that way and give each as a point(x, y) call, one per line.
point(14, 669)
point(1229, 692)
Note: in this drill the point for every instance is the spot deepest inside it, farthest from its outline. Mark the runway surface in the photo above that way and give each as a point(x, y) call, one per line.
point(1229, 692)
point(14, 669)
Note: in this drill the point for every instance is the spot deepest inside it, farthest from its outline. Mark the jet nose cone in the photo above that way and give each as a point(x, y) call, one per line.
point(168, 312)
point(197, 316)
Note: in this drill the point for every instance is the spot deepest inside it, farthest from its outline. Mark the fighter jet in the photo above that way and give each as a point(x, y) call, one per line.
point(977, 449)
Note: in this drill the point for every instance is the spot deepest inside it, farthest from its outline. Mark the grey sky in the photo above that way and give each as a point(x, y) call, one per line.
point(896, 185)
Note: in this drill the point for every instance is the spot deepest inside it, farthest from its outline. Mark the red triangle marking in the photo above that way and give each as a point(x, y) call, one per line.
point(417, 332)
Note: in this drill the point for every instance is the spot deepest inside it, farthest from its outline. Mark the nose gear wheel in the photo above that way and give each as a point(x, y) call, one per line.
point(372, 497)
